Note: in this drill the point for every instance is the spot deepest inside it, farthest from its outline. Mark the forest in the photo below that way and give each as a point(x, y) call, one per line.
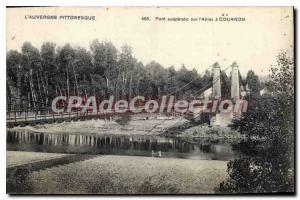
point(36, 76)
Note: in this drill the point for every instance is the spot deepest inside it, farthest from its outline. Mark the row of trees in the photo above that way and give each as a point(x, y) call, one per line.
point(35, 77)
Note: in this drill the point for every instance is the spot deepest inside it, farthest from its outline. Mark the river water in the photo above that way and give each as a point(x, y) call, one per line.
point(134, 145)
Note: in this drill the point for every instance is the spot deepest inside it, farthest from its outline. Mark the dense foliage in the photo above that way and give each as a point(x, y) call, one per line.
point(267, 164)
point(35, 77)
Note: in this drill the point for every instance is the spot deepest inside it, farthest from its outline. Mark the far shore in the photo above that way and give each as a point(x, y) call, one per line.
point(174, 127)
point(98, 126)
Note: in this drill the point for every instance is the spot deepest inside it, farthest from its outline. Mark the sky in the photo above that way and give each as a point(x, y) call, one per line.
point(253, 43)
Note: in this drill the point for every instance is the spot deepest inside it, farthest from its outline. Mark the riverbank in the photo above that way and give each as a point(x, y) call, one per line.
point(111, 174)
point(136, 126)
point(201, 131)
point(18, 158)
point(140, 125)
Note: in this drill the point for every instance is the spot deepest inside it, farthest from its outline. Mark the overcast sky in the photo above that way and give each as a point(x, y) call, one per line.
point(253, 44)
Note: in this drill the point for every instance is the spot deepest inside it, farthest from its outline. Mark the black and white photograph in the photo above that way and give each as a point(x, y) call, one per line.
point(150, 100)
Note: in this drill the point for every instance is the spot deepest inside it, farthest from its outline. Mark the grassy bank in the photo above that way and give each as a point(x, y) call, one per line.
point(192, 130)
point(129, 175)
point(210, 132)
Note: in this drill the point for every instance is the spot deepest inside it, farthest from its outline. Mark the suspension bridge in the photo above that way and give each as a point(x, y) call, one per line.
point(46, 115)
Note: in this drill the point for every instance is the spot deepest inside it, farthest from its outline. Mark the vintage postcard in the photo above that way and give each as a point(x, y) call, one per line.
point(150, 100)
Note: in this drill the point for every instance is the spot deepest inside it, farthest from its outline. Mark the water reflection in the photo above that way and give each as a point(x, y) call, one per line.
point(117, 144)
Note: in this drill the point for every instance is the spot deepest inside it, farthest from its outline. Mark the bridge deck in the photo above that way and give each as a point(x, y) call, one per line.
point(22, 118)
point(16, 118)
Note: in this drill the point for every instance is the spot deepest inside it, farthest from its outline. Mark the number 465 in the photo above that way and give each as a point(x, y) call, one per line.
point(145, 18)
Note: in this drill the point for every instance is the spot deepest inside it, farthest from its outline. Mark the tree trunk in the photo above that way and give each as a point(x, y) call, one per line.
point(67, 76)
point(75, 76)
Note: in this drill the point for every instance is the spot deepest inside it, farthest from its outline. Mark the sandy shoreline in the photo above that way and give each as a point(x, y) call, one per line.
point(96, 126)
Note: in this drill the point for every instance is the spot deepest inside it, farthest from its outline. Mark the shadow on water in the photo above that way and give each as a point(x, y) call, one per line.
point(134, 145)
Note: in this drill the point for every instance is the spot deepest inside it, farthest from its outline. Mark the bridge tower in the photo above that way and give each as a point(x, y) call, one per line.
point(235, 87)
point(216, 90)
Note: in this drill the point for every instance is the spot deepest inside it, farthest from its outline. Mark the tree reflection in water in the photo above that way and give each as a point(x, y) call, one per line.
point(136, 145)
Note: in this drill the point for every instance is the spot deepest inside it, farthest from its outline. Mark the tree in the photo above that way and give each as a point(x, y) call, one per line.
point(159, 77)
point(65, 60)
point(14, 79)
point(269, 127)
point(253, 82)
point(84, 70)
point(126, 65)
point(32, 68)
point(49, 70)
point(105, 63)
